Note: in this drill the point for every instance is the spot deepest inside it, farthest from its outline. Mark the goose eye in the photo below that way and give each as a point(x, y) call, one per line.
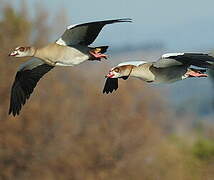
point(116, 70)
point(21, 49)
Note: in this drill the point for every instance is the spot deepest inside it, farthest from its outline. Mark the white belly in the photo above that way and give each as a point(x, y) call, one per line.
point(72, 56)
point(70, 62)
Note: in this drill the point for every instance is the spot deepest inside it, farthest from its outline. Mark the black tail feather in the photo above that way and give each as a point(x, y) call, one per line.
point(198, 70)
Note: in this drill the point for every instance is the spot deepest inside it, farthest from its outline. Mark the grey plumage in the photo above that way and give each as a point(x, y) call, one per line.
point(69, 50)
point(187, 59)
point(169, 68)
point(86, 33)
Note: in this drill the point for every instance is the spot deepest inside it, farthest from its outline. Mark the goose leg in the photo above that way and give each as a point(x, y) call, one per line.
point(192, 73)
point(97, 55)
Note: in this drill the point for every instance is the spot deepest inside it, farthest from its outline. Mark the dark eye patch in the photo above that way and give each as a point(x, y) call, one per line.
point(21, 49)
point(116, 70)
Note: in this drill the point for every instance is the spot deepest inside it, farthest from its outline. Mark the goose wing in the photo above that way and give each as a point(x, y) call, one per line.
point(176, 59)
point(25, 81)
point(111, 84)
point(85, 33)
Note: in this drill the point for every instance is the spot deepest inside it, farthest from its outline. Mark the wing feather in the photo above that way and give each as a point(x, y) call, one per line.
point(111, 84)
point(176, 59)
point(25, 81)
point(86, 33)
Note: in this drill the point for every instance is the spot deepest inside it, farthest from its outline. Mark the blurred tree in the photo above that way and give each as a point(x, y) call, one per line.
point(69, 130)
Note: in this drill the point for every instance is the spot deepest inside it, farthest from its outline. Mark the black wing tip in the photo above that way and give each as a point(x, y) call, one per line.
point(10, 112)
point(111, 85)
point(108, 91)
point(124, 20)
point(23, 86)
point(15, 108)
point(112, 21)
point(104, 91)
point(13, 112)
point(199, 70)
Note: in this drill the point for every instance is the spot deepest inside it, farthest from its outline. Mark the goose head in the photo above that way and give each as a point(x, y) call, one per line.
point(22, 52)
point(120, 71)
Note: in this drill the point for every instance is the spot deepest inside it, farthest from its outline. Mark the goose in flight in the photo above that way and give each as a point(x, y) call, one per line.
point(71, 49)
point(169, 68)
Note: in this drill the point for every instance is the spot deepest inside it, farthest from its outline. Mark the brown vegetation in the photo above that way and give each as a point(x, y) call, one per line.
point(70, 130)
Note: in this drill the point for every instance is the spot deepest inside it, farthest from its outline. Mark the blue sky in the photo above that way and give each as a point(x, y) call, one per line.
point(180, 24)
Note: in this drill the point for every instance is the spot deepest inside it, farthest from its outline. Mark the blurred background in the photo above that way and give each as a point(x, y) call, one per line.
point(70, 130)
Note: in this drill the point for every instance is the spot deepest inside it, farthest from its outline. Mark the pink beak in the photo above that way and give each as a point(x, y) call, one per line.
point(110, 74)
point(13, 54)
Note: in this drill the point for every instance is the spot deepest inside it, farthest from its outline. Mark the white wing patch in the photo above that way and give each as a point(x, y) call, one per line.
point(135, 63)
point(72, 26)
point(61, 42)
point(167, 55)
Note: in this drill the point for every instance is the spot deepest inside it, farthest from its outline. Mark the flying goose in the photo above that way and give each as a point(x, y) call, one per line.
point(72, 48)
point(169, 68)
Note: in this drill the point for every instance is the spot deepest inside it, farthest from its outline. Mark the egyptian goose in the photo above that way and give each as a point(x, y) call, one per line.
point(169, 68)
point(70, 49)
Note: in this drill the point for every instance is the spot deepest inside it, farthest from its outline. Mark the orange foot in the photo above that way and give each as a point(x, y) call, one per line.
point(98, 55)
point(196, 74)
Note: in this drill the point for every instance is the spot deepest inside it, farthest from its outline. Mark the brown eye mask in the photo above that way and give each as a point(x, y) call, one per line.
point(21, 49)
point(116, 70)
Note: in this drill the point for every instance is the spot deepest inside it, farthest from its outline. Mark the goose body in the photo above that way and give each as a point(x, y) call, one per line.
point(149, 73)
point(71, 49)
point(171, 67)
point(63, 55)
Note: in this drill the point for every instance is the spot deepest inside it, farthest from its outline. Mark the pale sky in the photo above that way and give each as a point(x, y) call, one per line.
point(180, 24)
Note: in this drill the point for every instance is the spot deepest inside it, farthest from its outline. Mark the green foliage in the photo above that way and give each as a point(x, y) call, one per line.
point(204, 149)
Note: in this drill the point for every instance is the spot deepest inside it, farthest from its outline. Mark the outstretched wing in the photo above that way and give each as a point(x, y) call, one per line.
point(111, 84)
point(134, 63)
point(176, 59)
point(86, 33)
point(25, 81)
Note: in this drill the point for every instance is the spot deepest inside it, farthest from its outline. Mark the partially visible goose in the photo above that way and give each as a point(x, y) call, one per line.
point(70, 49)
point(169, 68)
